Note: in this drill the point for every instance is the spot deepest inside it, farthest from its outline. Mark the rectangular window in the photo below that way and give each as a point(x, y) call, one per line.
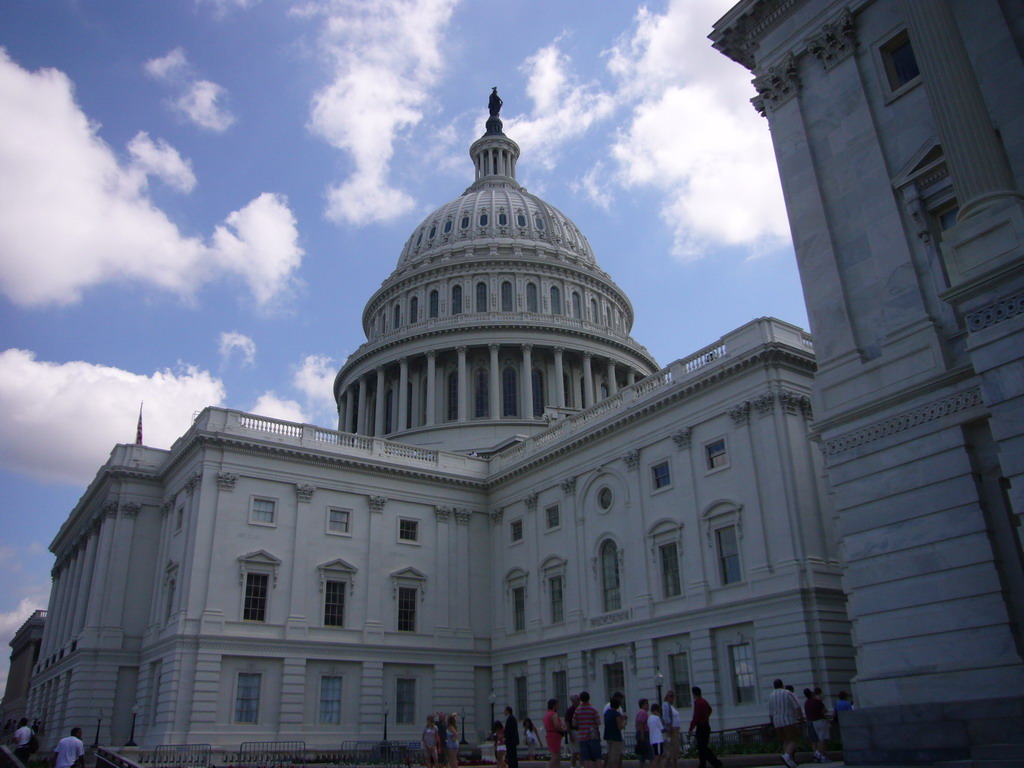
point(660, 475)
point(716, 455)
point(557, 601)
point(614, 679)
point(729, 554)
point(338, 521)
point(522, 700)
point(671, 584)
point(407, 608)
point(408, 530)
point(516, 530)
point(518, 609)
point(334, 603)
point(899, 60)
point(560, 688)
point(405, 700)
point(255, 606)
point(553, 518)
point(247, 697)
point(263, 511)
point(170, 599)
point(741, 662)
point(679, 669)
point(179, 518)
point(330, 700)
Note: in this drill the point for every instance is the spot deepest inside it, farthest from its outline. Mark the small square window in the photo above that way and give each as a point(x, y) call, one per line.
point(660, 475)
point(717, 457)
point(408, 530)
point(553, 516)
point(338, 521)
point(263, 511)
point(516, 530)
point(899, 61)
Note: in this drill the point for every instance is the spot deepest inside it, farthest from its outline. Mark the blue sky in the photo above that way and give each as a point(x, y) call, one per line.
point(197, 198)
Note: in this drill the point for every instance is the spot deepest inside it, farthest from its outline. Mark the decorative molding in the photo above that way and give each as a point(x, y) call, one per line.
point(681, 437)
point(130, 508)
point(904, 421)
point(531, 501)
point(193, 482)
point(764, 404)
point(166, 506)
point(632, 458)
point(569, 486)
point(778, 84)
point(377, 503)
point(226, 481)
point(109, 508)
point(497, 514)
point(836, 42)
point(442, 512)
point(741, 413)
point(610, 618)
point(794, 402)
point(462, 515)
point(995, 313)
point(304, 491)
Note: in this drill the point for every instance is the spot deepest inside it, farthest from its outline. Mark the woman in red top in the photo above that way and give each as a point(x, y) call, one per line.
point(554, 730)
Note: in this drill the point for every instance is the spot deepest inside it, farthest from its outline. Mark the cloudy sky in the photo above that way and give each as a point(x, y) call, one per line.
point(198, 196)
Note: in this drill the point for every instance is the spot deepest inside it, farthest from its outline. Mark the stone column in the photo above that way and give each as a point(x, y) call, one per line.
point(378, 413)
point(612, 386)
point(349, 397)
point(495, 382)
point(89, 543)
point(361, 415)
point(630, 377)
point(462, 385)
point(431, 387)
point(403, 394)
point(588, 381)
point(527, 381)
point(559, 379)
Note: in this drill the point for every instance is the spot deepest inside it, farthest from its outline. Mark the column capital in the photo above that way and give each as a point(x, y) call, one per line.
point(493, 347)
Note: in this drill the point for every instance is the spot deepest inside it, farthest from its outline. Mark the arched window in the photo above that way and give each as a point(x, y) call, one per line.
point(607, 318)
point(502, 219)
point(457, 300)
point(483, 219)
point(521, 220)
point(453, 396)
point(539, 222)
point(464, 224)
point(611, 591)
point(556, 300)
point(577, 305)
point(448, 226)
point(414, 309)
point(434, 302)
point(593, 310)
point(509, 393)
point(433, 231)
point(506, 296)
point(538, 393)
point(398, 317)
point(481, 297)
point(531, 297)
point(389, 400)
point(480, 393)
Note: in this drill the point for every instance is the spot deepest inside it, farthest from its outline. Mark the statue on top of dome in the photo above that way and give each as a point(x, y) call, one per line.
point(494, 103)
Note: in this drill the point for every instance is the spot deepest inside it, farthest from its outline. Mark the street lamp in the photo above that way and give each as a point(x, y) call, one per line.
point(99, 719)
point(492, 698)
point(131, 738)
point(462, 722)
point(387, 710)
point(659, 680)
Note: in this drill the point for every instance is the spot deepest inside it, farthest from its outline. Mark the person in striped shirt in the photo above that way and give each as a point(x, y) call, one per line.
point(587, 721)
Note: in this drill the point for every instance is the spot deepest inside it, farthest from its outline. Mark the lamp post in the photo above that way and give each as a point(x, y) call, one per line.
point(96, 741)
point(387, 710)
point(131, 738)
point(659, 680)
point(492, 698)
point(462, 722)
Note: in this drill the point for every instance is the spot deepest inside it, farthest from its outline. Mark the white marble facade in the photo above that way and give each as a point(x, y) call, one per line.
point(531, 507)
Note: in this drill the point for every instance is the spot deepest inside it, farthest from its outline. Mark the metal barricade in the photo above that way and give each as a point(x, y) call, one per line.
point(265, 753)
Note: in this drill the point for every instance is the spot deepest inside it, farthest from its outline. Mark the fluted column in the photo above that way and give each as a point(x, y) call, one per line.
point(976, 158)
point(403, 394)
point(378, 412)
point(630, 377)
point(461, 385)
point(361, 414)
point(559, 379)
point(431, 386)
point(588, 381)
point(348, 410)
point(612, 386)
point(495, 382)
point(527, 381)
point(89, 543)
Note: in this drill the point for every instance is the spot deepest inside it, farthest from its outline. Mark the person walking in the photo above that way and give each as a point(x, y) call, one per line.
point(511, 739)
point(530, 737)
point(614, 722)
point(786, 716)
point(657, 730)
point(70, 750)
point(588, 725)
point(643, 733)
point(499, 744)
point(429, 740)
point(22, 738)
point(817, 725)
point(554, 730)
point(451, 741)
point(574, 745)
point(701, 723)
point(672, 721)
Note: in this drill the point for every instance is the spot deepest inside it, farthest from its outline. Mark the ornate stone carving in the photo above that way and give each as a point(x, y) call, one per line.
point(130, 508)
point(681, 438)
point(497, 514)
point(109, 508)
point(569, 486)
point(995, 313)
point(741, 413)
point(166, 506)
point(531, 501)
point(632, 459)
point(226, 481)
point(836, 41)
point(377, 503)
point(193, 482)
point(441, 513)
point(610, 618)
point(904, 421)
point(794, 403)
point(462, 515)
point(764, 404)
point(779, 84)
point(304, 491)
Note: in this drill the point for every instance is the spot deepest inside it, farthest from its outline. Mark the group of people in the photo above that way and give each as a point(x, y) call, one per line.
point(789, 717)
point(69, 751)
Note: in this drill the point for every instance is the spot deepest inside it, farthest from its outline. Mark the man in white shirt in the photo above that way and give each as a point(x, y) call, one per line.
point(786, 716)
point(22, 736)
point(671, 720)
point(69, 750)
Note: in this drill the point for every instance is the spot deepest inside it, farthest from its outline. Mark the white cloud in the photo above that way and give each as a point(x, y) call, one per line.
point(692, 134)
point(10, 621)
point(563, 109)
point(384, 57)
point(231, 341)
point(594, 185)
point(201, 101)
point(315, 379)
point(72, 216)
point(158, 158)
point(274, 407)
point(61, 419)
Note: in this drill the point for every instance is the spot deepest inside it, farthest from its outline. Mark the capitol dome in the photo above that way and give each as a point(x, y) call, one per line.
point(496, 319)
